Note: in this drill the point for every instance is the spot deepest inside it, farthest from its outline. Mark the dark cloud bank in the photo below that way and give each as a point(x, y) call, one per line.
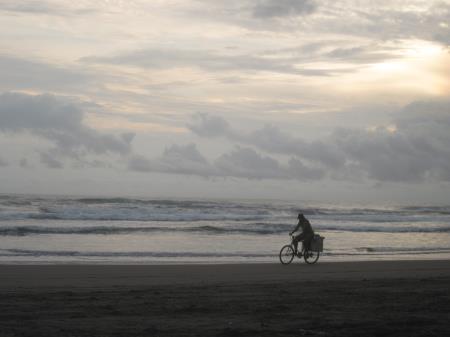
point(241, 162)
point(59, 121)
point(414, 148)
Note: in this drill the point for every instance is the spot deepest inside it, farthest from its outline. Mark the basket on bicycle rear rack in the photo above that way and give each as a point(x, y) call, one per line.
point(317, 243)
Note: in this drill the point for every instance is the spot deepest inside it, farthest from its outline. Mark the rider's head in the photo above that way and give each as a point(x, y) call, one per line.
point(300, 216)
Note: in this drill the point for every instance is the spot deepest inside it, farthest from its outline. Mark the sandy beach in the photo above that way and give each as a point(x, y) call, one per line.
point(401, 298)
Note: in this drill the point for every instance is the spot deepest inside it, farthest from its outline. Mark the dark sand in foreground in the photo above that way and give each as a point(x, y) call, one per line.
point(391, 298)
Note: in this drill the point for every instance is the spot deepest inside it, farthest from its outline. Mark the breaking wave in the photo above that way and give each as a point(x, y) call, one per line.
point(242, 229)
point(128, 209)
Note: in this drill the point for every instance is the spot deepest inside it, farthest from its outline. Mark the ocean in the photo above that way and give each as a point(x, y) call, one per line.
point(43, 229)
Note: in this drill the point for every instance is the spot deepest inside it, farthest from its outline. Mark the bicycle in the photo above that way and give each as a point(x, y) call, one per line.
point(311, 256)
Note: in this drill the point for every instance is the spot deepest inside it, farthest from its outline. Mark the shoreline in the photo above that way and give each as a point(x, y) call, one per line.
point(274, 260)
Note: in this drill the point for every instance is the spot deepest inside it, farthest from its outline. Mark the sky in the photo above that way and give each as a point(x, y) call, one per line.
point(329, 101)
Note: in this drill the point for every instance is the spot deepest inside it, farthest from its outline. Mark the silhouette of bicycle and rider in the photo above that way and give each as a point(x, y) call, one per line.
point(312, 244)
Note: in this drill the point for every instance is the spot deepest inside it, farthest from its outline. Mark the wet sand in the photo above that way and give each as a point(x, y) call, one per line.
point(391, 298)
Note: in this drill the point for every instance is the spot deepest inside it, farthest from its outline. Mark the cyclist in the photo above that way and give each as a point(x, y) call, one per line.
point(306, 235)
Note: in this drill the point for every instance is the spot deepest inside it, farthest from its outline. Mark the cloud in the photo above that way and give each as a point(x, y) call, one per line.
point(298, 170)
point(3, 162)
point(282, 8)
point(61, 122)
point(349, 54)
point(207, 125)
point(208, 60)
point(139, 163)
point(23, 163)
point(269, 139)
point(42, 7)
point(50, 161)
point(184, 159)
point(241, 162)
point(359, 54)
point(24, 6)
point(18, 74)
point(273, 140)
point(261, 15)
point(179, 159)
point(387, 20)
point(413, 148)
point(352, 34)
point(247, 163)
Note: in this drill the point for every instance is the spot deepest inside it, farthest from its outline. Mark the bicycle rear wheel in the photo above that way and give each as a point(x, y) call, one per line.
point(287, 254)
point(311, 257)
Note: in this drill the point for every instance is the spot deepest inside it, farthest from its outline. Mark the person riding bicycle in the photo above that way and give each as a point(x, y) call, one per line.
point(306, 235)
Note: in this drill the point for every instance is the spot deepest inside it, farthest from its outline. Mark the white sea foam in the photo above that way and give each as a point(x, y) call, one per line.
point(114, 229)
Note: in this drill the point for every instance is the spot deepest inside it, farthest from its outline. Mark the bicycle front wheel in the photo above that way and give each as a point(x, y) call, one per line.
point(286, 254)
point(311, 257)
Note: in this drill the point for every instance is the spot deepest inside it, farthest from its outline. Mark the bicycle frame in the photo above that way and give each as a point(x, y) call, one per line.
point(300, 252)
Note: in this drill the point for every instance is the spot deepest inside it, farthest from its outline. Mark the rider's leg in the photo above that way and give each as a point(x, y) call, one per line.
point(307, 241)
point(296, 240)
